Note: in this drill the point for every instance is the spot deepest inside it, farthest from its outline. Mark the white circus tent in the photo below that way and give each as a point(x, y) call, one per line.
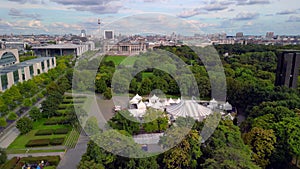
point(189, 108)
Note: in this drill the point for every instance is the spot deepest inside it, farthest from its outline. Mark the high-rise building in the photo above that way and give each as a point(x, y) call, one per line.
point(83, 33)
point(269, 35)
point(239, 34)
point(108, 34)
point(288, 68)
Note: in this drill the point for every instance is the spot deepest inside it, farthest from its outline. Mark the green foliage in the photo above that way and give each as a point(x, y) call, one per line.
point(12, 116)
point(262, 144)
point(35, 113)
point(24, 125)
point(124, 121)
point(155, 121)
point(91, 126)
point(3, 122)
point(44, 132)
point(3, 156)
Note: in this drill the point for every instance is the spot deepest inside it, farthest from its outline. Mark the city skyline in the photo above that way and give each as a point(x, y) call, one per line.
point(255, 17)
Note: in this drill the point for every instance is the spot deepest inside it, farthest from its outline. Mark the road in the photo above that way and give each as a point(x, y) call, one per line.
point(73, 156)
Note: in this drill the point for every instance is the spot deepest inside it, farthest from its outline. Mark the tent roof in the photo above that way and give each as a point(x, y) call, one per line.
point(189, 108)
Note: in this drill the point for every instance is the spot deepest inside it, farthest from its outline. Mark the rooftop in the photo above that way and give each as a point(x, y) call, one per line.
point(59, 46)
point(17, 66)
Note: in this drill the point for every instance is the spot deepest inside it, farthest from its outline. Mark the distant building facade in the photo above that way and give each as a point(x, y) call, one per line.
point(13, 72)
point(288, 68)
point(108, 34)
point(62, 49)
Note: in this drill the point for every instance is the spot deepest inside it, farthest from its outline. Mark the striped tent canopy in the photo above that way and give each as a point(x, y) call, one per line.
point(189, 108)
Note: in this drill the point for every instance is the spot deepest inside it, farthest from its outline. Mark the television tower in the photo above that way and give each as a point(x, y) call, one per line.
point(99, 23)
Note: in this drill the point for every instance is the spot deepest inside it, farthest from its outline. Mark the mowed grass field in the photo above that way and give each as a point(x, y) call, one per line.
point(126, 60)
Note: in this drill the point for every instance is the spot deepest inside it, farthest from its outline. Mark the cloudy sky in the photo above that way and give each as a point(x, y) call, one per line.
point(254, 17)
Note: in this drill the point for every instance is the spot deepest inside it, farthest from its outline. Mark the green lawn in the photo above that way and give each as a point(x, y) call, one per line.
point(21, 140)
point(118, 59)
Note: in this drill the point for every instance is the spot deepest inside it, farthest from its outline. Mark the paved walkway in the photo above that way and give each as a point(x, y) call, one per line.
point(73, 156)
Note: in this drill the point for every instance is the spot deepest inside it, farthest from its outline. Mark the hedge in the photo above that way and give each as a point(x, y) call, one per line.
point(52, 160)
point(58, 120)
point(44, 132)
point(57, 141)
point(38, 143)
point(11, 163)
point(61, 131)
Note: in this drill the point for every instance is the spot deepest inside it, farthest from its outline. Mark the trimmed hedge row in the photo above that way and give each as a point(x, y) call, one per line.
point(45, 142)
point(61, 131)
point(11, 163)
point(38, 143)
point(50, 132)
point(58, 120)
point(44, 132)
point(52, 160)
point(16, 163)
point(57, 141)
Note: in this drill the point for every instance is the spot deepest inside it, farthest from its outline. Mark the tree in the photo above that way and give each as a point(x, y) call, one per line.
point(229, 157)
point(155, 121)
point(3, 156)
point(27, 102)
point(262, 144)
point(91, 126)
point(84, 164)
point(186, 153)
point(124, 121)
point(35, 113)
point(107, 94)
point(146, 86)
point(24, 125)
point(3, 122)
point(12, 116)
point(100, 85)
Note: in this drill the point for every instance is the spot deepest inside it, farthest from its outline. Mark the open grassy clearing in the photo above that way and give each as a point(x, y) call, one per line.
point(118, 59)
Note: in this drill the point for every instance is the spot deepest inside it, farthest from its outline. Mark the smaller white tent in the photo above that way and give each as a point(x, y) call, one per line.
point(154, 99)
point(134, 101)
point(171, 101)
point(141, 106)
point(166, 103)
point(178, 101)
point(213, 103)
point(137, 97)
point(227, 106)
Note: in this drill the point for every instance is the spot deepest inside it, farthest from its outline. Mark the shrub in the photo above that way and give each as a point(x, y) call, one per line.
point(52, 160)
point(61, 131)
point(44, 132)
point(57, 141)
point(11, 163)
point(12, 116)
point(34, 100)
point(3, 122)
point(58, 120)
point(38, 143)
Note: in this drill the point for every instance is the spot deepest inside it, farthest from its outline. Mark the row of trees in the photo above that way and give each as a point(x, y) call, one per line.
point(225, 149)
point(25, 94)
